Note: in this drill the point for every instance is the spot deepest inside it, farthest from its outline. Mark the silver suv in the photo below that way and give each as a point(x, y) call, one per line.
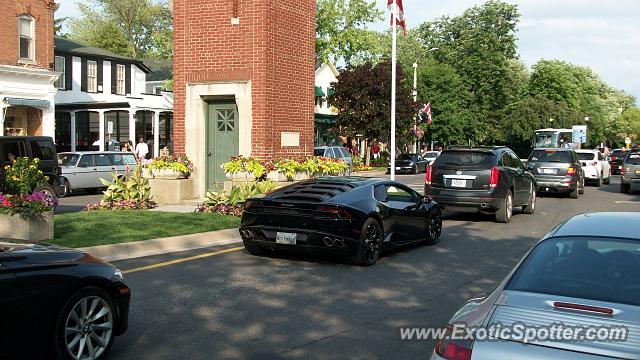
point(630, 170)
point(83, 170)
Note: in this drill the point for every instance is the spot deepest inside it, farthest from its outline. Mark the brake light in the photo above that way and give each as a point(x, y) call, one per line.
point(622, 169)
point(596, 309)
point(427, 179)
point(451, 348)
point(335, 211)
point(614, 158)
point(495, 175)
point(571, 171)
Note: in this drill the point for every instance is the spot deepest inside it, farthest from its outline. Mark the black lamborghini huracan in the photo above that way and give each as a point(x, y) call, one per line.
point(352, 216)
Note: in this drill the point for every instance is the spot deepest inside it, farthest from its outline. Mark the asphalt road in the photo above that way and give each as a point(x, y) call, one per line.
point(76, 202)
point(237, 306)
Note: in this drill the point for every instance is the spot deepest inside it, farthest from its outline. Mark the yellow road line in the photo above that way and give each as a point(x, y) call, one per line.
point(178, 261)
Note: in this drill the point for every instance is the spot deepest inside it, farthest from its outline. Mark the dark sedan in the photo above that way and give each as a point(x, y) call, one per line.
point(351, 216)
point(557, 170)
point(410, 163)
point(59, 303)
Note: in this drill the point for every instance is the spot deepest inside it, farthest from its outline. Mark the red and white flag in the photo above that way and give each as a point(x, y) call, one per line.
point(425, 113)
point(398, 12)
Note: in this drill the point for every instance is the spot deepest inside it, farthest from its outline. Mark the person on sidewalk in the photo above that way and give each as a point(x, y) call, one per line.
point(376, 151)
point(142, 149)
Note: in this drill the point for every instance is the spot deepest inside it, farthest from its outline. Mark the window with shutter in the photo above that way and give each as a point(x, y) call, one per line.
point(60, 66)
point(120, 80)
point(92, 76)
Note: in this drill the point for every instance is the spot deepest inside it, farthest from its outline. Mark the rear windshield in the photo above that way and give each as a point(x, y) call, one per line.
point(432, 154)
point(550, 156)
point(586, 156)
point(633, 158)
point(466, 159)
point(618, 153)
point(601, 269)
point(68, 159)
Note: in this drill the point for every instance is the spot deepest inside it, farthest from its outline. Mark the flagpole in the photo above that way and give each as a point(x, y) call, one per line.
point(392, 171)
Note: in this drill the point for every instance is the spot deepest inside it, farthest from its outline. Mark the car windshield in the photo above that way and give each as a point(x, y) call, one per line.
point(466, 158)
point(586, 156)
point(601, 269)
point(68, 159)
point(550, 156)
point(633, 158)
point(410, 157)
point(318, 152)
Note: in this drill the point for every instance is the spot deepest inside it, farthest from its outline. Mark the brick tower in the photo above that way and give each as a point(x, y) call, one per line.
point(243, 81)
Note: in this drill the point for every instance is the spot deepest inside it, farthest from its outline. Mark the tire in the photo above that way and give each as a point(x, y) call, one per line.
point(505, 212)
point(624, 188)
point(608, 180)
point(581, 189)
point(575, 193)
point(102, 327)
point(252, 248)
point(434, 226)
point(67, 188)
point(599, 181)
point(415, 170)
point(370, 244)
point(530, 208)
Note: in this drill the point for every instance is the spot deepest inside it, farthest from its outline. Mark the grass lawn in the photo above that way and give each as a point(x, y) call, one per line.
point(91, 228)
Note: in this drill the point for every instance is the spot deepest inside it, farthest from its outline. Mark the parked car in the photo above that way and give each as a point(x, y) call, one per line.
point(431, 156)
point(595, 165)
point(630, 170)
point(557, 170)
point(335, 152)
point(350, 216)
point(410, 164)
point(83, 170)
point(40, 147)
point(584, 273)
point(59, 303)
point(491, 179)
point(615, 159)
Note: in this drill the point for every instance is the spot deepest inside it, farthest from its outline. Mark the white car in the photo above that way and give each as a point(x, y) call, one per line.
point(431, 156)
point(596, 166)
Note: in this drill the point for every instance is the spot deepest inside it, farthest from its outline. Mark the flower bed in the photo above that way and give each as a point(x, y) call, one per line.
point(362, 167)
point(232, 203)
point(130, 193)
point(289, 168)
point(27, 205)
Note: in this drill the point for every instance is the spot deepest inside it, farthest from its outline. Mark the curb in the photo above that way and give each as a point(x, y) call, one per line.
point(371, 173)
point(172, 244)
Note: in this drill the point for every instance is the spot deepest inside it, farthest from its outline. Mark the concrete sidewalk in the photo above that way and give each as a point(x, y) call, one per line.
point(164, 245)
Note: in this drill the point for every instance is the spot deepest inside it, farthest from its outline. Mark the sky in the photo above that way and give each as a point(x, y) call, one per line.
point(604, 35)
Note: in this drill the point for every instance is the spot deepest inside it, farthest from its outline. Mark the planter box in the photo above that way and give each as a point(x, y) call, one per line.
point(241, 176)
point(32, 229)
point(168, 174)
point(276, 176)
point(171, 192)
point(299, 176)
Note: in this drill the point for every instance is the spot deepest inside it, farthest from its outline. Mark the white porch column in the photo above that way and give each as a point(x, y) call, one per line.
point(102, 134)
point(72, 114)
point(2, 111)
point(156, 133)
point(132, 126)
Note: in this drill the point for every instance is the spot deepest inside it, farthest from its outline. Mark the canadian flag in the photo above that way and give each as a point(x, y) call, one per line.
point(398, 12)
point(425, 114)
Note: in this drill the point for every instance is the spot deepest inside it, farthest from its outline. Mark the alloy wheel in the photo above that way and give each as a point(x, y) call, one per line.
point(372, 242)
point(88, 328)
point(509, 206)
point(435, 225)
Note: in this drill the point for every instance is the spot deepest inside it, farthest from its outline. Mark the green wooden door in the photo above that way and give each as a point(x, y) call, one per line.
point(222, 140)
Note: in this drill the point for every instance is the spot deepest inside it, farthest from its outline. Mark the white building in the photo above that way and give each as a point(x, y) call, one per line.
point(102, 96)
point(325, 114)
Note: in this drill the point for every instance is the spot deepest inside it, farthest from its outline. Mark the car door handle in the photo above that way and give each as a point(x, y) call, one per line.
point(95, 169)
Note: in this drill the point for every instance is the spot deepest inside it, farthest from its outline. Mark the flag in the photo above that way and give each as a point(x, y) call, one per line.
point(399, 14)
point(425, 114)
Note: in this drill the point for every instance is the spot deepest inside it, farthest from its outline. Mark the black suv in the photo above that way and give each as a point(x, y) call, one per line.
point(41, 147)
point(557, 170)
point(491, 179)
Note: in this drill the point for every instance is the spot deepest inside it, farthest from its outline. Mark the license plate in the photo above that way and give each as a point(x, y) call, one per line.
point(286, 238)
point(548, 171)
point(458, 183)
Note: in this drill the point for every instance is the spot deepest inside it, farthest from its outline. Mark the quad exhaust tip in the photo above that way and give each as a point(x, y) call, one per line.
point(333, 243)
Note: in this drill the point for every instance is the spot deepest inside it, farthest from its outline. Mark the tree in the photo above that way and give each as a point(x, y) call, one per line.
point(136, 28)
point(363, 97)
point(341, 30)
point(627, 125)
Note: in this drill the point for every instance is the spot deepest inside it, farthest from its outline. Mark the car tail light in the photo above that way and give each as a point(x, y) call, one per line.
point(335, 211)
point(571, 171)
point(427, 179)
point(621, 169)
point(495, 175)
point(614, 158)
point(451, 348)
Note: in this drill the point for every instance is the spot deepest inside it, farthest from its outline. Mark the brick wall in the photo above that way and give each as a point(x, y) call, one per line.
point(42, 11)
point(273, 46)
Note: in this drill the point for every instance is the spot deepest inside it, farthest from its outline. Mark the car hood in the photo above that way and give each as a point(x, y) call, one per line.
point(45, 254)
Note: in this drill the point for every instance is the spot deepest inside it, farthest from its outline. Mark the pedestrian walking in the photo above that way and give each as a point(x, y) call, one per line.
point(142, 149)
point(376, 151)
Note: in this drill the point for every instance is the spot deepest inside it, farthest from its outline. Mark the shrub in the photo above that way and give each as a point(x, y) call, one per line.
point(231, 203)
point(178, 163)
point(126, 193)
point(23, 176)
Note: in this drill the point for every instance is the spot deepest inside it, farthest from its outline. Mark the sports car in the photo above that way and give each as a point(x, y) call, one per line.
point(351, 216)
